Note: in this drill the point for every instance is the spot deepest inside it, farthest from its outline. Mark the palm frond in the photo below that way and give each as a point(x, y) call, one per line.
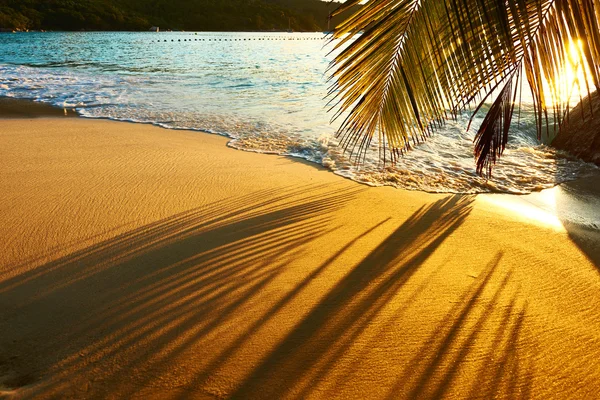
point(417, 62)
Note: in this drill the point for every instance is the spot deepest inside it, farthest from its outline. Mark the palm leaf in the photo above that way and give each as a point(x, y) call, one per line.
point(417, 62)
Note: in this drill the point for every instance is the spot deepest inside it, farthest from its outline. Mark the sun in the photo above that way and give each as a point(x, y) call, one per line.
point(571, 82)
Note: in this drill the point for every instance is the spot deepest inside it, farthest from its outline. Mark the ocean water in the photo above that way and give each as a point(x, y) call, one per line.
point(263, 90)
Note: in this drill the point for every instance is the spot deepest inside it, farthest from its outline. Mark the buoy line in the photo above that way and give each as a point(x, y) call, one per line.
point(237, 39)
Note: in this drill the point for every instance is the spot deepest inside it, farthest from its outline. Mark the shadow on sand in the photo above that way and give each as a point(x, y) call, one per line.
point(133, 311)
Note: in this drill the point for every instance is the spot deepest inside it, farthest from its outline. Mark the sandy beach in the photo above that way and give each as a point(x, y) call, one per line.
point(139, 262)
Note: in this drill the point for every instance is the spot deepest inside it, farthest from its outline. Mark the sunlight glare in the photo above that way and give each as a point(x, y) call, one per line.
point(570, 85)
point(539, 209)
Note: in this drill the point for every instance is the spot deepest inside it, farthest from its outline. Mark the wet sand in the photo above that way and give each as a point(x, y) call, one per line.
point(17, 108)
point(142, 262)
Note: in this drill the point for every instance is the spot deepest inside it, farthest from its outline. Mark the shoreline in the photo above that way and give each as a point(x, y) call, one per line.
point(582, 194)
point(27, 108)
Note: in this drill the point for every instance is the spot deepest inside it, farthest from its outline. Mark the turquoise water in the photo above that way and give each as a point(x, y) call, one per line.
point(264, 90)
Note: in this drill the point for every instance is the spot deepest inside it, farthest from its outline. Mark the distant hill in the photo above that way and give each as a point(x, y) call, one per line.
point(189, 15)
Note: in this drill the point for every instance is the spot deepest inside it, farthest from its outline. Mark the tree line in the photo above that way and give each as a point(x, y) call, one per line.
point(189, 15)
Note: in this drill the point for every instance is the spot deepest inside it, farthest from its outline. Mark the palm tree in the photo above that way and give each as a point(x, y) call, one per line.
point(419, 62)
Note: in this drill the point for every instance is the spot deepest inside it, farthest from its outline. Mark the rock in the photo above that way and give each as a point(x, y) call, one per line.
point(580, 136)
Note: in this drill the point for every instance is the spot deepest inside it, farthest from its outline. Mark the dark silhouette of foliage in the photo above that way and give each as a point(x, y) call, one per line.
point(189, 15)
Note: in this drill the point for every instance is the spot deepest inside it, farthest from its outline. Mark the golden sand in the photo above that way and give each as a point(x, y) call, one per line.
point(142, 262)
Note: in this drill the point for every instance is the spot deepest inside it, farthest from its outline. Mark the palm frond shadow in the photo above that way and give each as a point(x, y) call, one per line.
point(177, 280)
point(436, 365)
point(309, 351)
point(150, 299)
point(139, 240)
